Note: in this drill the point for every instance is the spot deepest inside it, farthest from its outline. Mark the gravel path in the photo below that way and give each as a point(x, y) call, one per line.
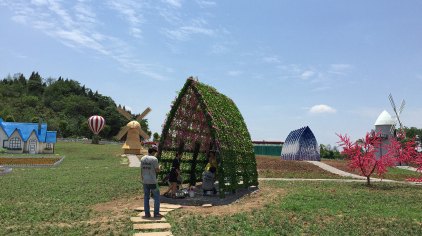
point(328, 180)
point(343, 173)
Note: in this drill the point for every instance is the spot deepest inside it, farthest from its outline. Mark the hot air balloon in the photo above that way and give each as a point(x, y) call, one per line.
point(96, 124)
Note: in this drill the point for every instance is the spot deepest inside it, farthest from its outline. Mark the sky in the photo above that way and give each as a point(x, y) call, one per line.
point(329, 65)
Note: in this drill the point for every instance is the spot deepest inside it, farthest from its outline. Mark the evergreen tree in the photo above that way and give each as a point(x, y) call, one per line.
point(35, 85)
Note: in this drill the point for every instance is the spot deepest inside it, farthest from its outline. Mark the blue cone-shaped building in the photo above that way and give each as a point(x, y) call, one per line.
point(301, 145)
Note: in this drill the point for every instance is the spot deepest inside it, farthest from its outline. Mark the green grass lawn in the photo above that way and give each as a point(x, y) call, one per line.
point(57, 201)
point(61, 201)
point(317, 208)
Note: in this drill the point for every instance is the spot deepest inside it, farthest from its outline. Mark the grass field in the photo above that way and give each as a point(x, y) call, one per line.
point(317, 208)
point(92, 193)
point(57, 201)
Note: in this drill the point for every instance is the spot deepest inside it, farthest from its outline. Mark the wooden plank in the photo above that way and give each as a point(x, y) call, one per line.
point(145, 220)
point(166, 209)
point(152, 226)
point(165, 233)
point(162, 213)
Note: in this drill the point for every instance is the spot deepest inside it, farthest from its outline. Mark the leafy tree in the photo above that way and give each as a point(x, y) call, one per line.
point(329, 153)
point(156, 137)
point(412, 132)
point(35, 85)
point(362, 155)
point(10, 118)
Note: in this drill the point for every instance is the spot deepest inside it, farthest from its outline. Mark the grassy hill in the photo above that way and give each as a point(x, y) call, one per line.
point(63, 104)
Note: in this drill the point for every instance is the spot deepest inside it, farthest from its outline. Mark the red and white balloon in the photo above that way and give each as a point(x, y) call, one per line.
point(96, 123)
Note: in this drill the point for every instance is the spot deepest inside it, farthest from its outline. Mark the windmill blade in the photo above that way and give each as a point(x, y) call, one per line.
point(141, 116)
point(390, 97)
point(403, 103)
point(122, 132)
point(143, 134)
point(398, 119)
point(124, 113)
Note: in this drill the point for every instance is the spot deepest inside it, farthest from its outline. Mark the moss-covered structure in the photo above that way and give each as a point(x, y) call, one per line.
point(202, 119)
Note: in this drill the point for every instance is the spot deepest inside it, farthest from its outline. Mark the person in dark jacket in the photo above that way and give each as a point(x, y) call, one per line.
point(174, 176)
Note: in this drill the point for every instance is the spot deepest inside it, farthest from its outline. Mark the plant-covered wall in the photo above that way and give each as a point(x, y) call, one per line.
point(202, 119)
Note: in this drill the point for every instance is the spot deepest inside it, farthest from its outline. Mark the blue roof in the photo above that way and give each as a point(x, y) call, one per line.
point(51, 137)
point(25, 130)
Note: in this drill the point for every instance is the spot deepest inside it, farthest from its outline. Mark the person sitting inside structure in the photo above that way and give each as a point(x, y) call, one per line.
point(212, 160)
point(208, 179)
point(174, 177)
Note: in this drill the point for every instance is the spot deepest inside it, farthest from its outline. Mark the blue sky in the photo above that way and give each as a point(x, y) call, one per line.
point(326, 64)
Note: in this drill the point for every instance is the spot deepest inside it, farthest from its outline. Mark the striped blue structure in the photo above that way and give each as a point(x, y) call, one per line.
point(301, 145)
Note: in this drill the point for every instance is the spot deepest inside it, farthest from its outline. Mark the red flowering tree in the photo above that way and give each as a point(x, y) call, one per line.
point(405, 151)
point(362, 155)
point(402, 150)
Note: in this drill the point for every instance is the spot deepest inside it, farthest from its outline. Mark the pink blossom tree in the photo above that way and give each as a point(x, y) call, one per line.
point(402, 150)
point(405, 151)
point(362, 155)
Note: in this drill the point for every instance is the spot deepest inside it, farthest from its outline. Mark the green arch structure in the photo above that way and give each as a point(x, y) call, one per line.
point(202, 119)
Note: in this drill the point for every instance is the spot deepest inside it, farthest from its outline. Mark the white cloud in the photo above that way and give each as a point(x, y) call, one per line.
point(321, 88)
point(78, 27)
point(184, 33)
point(319, 109)
point(129, 10)
point(271, 59)
point(219, 49)
point(39, 2)
point(205, 3)
point(234, 73)
point(339, 69)
point(307, 74)
point(174, 3)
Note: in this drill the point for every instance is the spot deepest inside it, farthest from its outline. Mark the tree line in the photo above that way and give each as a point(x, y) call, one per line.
point(63, 104)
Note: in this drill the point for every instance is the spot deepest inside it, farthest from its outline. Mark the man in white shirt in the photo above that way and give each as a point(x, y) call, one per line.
point(149, 170)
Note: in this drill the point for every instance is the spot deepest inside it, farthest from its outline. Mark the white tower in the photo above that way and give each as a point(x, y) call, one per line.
point(385, 125)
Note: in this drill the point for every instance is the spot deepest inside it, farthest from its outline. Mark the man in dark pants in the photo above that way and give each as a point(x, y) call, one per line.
point(149, 170)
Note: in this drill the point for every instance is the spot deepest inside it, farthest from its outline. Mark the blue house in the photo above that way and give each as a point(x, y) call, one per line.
point(30, 138)
point(301, 145)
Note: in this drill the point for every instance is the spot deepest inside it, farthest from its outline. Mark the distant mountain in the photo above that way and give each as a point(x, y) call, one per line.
point(63, 104)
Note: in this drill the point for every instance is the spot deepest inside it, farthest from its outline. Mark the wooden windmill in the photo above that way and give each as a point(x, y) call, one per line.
point(133, 130)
